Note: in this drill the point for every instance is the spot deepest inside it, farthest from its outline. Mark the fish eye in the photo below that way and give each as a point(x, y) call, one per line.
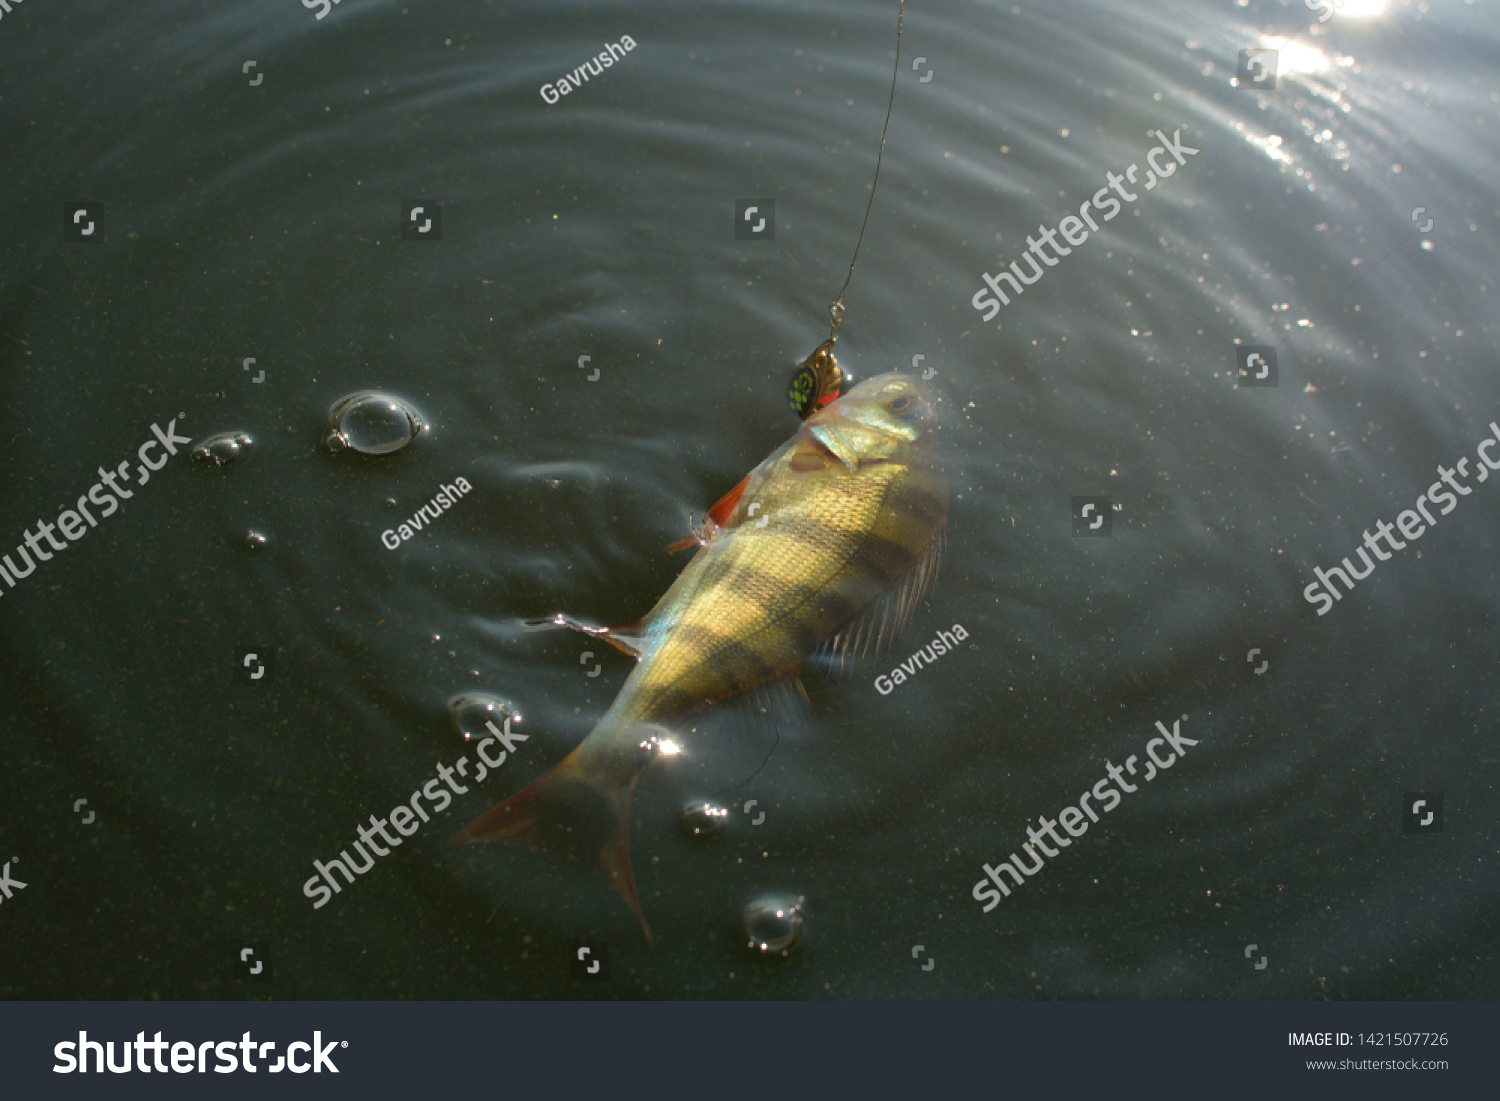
point(899, 405)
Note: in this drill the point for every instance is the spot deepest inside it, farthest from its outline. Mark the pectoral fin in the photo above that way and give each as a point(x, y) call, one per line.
point(722, 508)
point(626, 637)
point(781, 702)
point(872, 631)
point(713, 520)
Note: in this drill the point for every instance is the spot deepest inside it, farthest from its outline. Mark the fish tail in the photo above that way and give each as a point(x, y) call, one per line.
point(569, 812)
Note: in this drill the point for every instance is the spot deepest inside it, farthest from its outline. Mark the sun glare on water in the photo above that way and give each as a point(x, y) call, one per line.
point(1297, 57)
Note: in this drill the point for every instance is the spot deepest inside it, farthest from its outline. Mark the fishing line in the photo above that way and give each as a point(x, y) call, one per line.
point(838, 303)
point(758, 771)
point(819, 379)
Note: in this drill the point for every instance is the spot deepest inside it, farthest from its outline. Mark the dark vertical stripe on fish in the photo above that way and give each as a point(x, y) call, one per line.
point(728, 650)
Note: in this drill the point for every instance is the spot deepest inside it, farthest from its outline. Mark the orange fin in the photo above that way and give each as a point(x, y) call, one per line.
point(713, 519)
point(628, 638)
point(625, 637)
point(564, 813)
point(725, 504)
point(614, 858)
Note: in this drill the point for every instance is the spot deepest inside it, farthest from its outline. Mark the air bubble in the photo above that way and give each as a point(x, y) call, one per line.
point(372, 423)
point(774, 925)
point(703, 819)
point(255, 541)
point(472, 711)
point(219, 449)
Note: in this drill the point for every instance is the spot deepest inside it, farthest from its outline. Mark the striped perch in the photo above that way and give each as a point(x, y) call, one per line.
point(824, 550)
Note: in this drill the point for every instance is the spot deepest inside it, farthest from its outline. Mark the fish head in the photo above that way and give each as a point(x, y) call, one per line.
point(878, 444)
point(888, 418)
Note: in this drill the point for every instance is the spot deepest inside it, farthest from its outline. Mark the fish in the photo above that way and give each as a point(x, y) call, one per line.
point(824, 551)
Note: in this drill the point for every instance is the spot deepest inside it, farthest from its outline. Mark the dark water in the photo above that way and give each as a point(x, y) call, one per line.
point(239, 220)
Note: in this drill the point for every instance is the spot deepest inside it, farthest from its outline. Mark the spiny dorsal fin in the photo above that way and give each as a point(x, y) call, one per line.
point(873, 630)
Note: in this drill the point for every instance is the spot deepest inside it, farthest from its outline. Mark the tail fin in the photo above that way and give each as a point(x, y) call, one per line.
point(563, 811)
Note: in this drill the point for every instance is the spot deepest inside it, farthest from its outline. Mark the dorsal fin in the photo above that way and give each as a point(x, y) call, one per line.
point(872, 630)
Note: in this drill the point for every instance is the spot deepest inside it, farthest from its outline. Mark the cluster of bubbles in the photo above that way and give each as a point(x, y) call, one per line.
point(773, 923)
point(220, 449)
point(366, 421)
point(373, 423)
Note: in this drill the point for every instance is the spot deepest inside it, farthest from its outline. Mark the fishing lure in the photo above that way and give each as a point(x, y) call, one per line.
point(820, 380)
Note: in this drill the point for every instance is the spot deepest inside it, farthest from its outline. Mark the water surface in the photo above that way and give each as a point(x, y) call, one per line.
point(242, 219)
